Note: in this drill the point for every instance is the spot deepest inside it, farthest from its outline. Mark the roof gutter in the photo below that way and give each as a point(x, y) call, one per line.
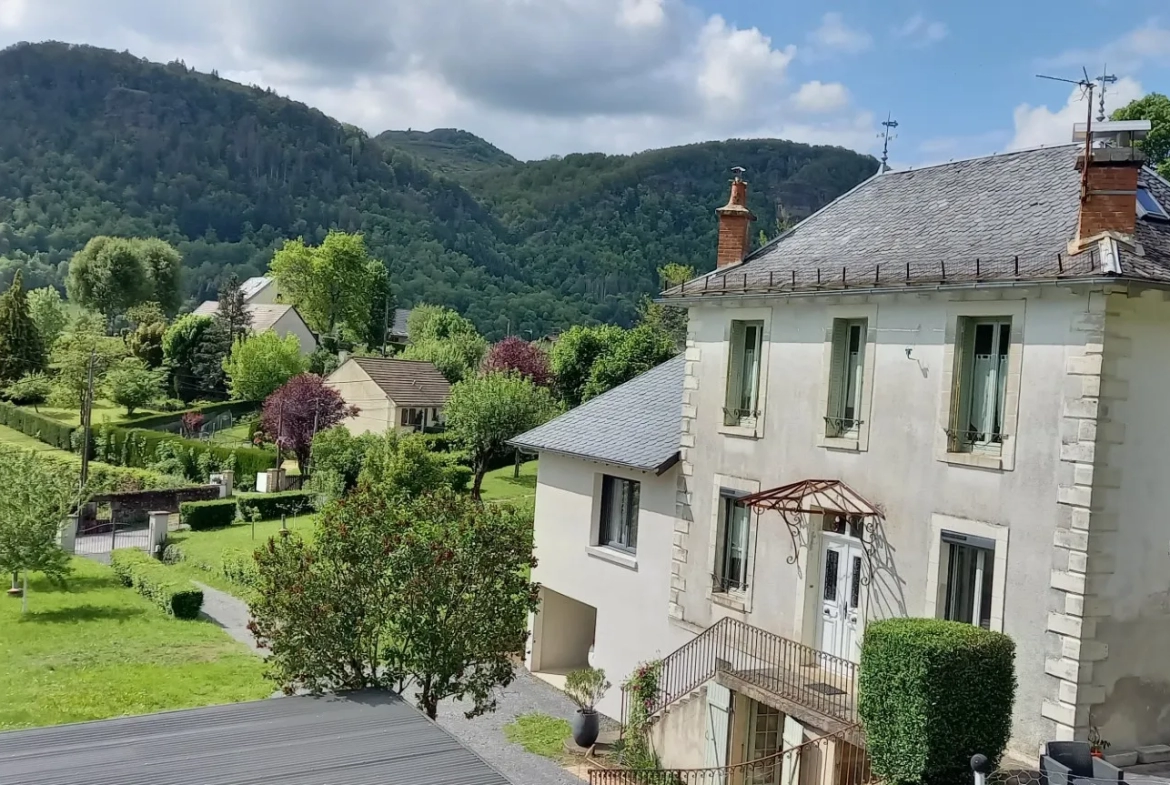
point(687, 301)
point(658, 470)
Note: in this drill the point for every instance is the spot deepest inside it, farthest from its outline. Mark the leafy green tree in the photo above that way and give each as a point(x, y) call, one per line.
point(573, 355)
point(329, 284)
point(403, 465)
point(21, 351)
point(146, 313)
point(336, 458)
point(70, 361)
point(163, 266)
point(233, 309)
point(133, 385)
point(108, 276)
point(483, 413)
point(382, 304)
point(48, 313)
point(441, 336)
point(146, 343)
point(445, 598)
point(35, 497)
point(1154, 107)
point(195, 347)
point(669, 319)
point(30, 390)
point(639, 350)
point(258, 365)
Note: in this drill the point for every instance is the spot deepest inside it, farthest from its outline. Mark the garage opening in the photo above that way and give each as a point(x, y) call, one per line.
point(563, 631)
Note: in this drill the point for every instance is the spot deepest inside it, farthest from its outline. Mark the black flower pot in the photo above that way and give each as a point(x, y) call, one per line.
point(586, 725)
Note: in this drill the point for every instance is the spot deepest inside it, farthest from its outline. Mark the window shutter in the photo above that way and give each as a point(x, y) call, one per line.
point(837, 357)
point(606, 504)
point(958, 385)
point(734, 372)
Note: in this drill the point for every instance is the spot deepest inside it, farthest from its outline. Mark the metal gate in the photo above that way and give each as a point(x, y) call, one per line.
point(105, 532)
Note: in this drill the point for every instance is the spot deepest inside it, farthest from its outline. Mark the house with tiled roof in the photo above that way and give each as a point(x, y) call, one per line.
point(404, 395)
point(280, 318)
point(939, 396)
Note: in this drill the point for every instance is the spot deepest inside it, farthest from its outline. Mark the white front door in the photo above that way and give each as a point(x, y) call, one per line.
point(840, 622)
point(718, 727)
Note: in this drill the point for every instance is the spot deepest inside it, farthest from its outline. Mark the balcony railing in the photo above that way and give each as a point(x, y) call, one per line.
point(821, 682)
point(828, 760)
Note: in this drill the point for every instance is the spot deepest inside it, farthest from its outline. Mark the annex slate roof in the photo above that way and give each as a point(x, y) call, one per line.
point(637, 424)
point(406, 382)
point(398, 328)
point(361, 738)
point(1001, 217)
point(252, 286)
point(264, 315)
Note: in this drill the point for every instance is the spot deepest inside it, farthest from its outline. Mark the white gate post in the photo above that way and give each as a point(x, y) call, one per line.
point(158, 532)
point(68, 537)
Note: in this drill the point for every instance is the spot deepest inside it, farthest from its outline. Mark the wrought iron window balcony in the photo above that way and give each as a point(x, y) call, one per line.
point(839, 426)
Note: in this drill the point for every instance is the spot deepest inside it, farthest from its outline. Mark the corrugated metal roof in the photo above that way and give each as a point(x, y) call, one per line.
point(637, 424)
point(406, 382)
point(364, 738)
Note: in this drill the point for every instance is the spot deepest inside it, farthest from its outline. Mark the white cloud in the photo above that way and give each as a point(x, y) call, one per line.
point(920, 31)
point(819, 97)
point(1148, 44)
point(835, 35)
point(1037, 126)
point(535, 77)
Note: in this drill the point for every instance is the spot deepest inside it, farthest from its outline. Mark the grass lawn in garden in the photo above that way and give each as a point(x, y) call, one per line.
point(539, 734)
point(17, 439)
point(501, 485)
point(103, 412)
point(236, 436)
point(97, 649)
point(203, 550)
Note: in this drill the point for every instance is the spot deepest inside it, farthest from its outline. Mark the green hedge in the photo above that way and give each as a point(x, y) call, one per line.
point(156, 582)
point(38, 426)
point(239, 567)
point(104, 478)
point(138, 447)
point(270, 506)
point(933, 693)
point(209, 411)
point(214, 514)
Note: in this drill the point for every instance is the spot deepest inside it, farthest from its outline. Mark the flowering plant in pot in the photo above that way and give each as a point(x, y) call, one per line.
point(1097, 745)
point(586, 687)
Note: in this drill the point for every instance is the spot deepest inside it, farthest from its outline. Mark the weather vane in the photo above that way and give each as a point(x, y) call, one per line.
point(890, 124)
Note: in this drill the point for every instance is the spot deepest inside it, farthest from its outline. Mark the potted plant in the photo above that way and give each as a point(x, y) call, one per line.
point(586, 687)
point(1097, 745)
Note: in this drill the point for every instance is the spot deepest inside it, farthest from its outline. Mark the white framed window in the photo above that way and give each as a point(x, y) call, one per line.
point(619, 513)
point(742, 407)
point(970, 575)
point(846, 378)
point(732, 543)
point(979, 397)
point(411, 417)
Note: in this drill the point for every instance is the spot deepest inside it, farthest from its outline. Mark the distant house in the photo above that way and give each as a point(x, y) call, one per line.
point(260, 290)
point(396, 335)
point(406, 395)
point(280, 318)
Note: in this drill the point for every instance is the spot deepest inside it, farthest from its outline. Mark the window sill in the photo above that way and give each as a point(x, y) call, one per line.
point(735, 601)
point(613, 556)
point(847, 443)
point(742, 431)
point(977, 460)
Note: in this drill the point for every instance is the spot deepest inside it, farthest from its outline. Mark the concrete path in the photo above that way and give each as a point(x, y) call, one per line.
point(484, 734)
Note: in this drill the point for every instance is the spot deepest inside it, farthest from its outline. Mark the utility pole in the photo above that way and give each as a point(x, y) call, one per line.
point(385, 319)
point(86, 416)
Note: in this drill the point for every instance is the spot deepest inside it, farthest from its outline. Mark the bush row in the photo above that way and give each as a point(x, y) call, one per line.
point(239, 567)
point(214, 514)
point(154, 581)
point(38, 426)
point(138, 447)
point(209, 411)
point(270, 506)
point(104, 478)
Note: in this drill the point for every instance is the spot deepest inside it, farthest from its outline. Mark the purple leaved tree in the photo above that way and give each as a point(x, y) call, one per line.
point(300, 409)
point(516, 354)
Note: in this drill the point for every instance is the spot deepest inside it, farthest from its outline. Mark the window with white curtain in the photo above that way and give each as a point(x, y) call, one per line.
point(743, 373)
point(981, 384)
point(847, 359)
point(731, 555)
point(619, 513)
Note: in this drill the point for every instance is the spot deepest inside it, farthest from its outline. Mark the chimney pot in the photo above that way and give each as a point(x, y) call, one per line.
point(734, 223)
point(1109, 166)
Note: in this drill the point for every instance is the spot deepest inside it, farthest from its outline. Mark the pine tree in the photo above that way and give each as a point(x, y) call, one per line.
point(21, 351)
point(233, 309)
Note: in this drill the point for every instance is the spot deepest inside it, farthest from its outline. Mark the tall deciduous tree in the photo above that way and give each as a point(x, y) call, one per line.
point(195, 347)
point(638, 350)
point(70, 360)
point(445, 598)
point(670, 319)
point(233, 309)
point(163, 266)
point(441, 336)
point(112, 274)
point(1154, 107)
point(21, 351)
point(133, 385)
point(329, 284)
point(573, 355)
point(35, 497)
point(296, 412)
point(48, 313)
point(483, 413)
point(515, 354)
point(382, 305)
point(258, 365)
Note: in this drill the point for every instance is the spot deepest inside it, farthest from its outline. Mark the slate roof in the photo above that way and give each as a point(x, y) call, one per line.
point(637, 424)
point(252, 286)
point(398, 329)
point(264, 315)
point(1001, 217)
point(406, 382)
point(362, 738)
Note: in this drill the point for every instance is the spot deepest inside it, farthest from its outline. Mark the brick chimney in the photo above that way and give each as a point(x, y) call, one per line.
point(1109, 180)
point(735, 221)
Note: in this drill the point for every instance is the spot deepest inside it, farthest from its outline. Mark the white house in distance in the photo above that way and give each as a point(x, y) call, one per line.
point(939, 393)
point(261, 290)
point(406, 395)
point(280, 318)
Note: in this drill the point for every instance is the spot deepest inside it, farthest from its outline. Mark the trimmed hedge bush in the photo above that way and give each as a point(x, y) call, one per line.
point(214, 514)
point(153, 580)
point(933, 693)
point(209, 411)
point(38, 426)
point(104, 478)
point(239, 567)
point(138, 447)
point(270, 506)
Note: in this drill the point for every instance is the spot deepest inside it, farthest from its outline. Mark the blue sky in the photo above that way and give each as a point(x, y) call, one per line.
point(543, 77)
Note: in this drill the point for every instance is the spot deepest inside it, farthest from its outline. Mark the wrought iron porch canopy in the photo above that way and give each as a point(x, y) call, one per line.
point(813, 496)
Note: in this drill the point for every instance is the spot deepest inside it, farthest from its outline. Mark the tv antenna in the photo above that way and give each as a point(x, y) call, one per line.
point(1105, 79)
point(1087, 85)
point(890, 124)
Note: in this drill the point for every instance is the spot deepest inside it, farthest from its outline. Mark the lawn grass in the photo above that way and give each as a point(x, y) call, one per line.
point(17, 439)
point(539, 734)
point(236, 436)
point(500, 485)
point(97, 649)
point(203, 550)
point(103, 412)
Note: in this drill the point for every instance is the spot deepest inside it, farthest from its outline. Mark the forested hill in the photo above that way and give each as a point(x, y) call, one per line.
point(98, 142)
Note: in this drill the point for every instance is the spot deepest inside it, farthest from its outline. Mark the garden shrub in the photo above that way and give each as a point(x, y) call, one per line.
point(104, 478)
point(46, 429)
point(933, 693)
point(239, 567)
point(270, 506)
point(137, 447)
point(155, 581)
point(209, 410)
point(173, 554)
point(213, 514)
